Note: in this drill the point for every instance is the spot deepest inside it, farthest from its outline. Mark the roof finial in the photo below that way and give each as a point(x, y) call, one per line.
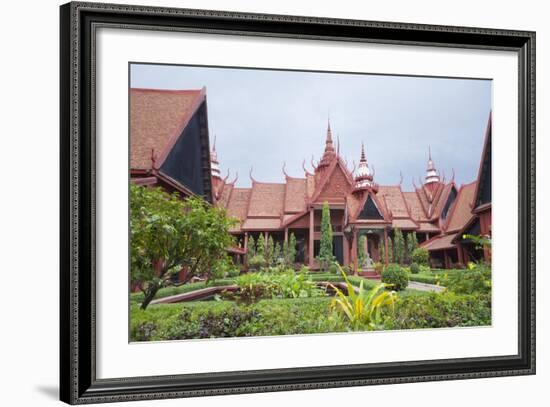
point(429, 152)
point(284, 170)
point(401, 177)
point(338, 144)
point(363, 157)
point(214, 144)
point(250, 174)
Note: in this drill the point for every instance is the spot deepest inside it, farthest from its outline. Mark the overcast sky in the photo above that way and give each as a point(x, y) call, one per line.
point(262, 118)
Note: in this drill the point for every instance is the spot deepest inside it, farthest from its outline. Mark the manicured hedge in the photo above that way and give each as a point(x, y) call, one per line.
point(440, 310)
point(229, 319)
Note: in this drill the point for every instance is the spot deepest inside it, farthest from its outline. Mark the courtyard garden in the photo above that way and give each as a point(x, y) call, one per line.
point(213, 298)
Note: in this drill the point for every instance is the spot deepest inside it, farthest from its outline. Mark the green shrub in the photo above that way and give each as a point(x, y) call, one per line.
point(415, 268)
point(256, 262)
point(378, 267)
point(475, 279)
point(440, 310)
point(211, 319)
point(396, 276)
point(420, 256)
point(424, 269)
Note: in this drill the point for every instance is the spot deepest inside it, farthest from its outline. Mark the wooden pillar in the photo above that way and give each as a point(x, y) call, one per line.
point(346, 250)
point(386, 254)
point(427, 236)
point(286, 235)
point(447, 263)
point(311, 237)
point(266, 237)
point(245, 257)
point(460, 253)
point(354, 253)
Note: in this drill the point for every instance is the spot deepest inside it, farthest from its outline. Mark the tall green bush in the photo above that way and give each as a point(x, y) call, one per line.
point(325, 257)
point(399, 246)
point(420, 256)
point(395, 275)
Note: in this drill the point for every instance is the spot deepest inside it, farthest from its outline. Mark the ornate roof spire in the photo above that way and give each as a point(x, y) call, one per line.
point(214, 163)
point(329, 153)
point(364, 176)
point(432, 176)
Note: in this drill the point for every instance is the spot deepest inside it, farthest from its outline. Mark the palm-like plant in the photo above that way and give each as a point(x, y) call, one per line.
point(364, 308)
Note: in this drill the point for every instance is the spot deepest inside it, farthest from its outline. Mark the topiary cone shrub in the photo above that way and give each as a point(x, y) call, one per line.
point(395, 275)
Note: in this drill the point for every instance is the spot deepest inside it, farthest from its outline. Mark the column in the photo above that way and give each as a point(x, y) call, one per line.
point(311, 237)
point(354, 253)
point(286, 235)
point(460, 253)
point(386, 254)
point(245, 257)
point(447, 263)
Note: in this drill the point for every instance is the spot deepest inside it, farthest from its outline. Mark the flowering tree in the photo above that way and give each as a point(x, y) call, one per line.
point(168, 234)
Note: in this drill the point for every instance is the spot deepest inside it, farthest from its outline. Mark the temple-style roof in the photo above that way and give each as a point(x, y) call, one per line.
point(395, 200)
point(295, 195)
point(461, 212)
point(415, 206)
point(157, 118)
point(439, 242)
point(266, 200)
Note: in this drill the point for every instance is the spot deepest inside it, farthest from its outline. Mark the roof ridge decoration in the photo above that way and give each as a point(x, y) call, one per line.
point(329, 153)
point(364, 179)
point(250, 175)
point(307, 173)
point(326, 175)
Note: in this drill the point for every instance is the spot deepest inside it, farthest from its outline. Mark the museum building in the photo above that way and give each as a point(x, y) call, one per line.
point(170, 147)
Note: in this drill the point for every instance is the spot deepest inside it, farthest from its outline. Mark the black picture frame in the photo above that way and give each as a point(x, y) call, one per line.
point(78, 382)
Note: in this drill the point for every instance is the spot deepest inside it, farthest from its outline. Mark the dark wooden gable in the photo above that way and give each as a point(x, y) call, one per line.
point(484, 188)
point(188, 162)
point(450, 199)
point(370, 211)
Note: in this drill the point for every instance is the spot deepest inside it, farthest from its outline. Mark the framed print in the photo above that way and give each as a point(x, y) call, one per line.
point(255, 203)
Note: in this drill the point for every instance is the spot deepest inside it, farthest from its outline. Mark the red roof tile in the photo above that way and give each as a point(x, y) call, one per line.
point(394, 200)
point(439, 242)
point(225, 195)
point(266, 200)
point(261, 224)
point(157, 118)
point(404, 224)
point(461, 211)
point(295, 195)
point(238, 204)
point(427, 227)
point(415, 206)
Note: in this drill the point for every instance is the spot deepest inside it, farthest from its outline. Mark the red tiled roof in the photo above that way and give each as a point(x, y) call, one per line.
point(427, 227)
point(415, 206)
point(266, 199)
point(404, 224)
point(157, 118)
point(461, 212)
point(238, 204)
point(310, 185)
point(439, 242)
point(261, 224)
point(225, 195)
point(394, 200)
point(295, 195)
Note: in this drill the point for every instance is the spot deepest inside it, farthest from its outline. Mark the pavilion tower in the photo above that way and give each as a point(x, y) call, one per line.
point(329, 153)
point(432, 178)
point(215, 170)
point(364, 177)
